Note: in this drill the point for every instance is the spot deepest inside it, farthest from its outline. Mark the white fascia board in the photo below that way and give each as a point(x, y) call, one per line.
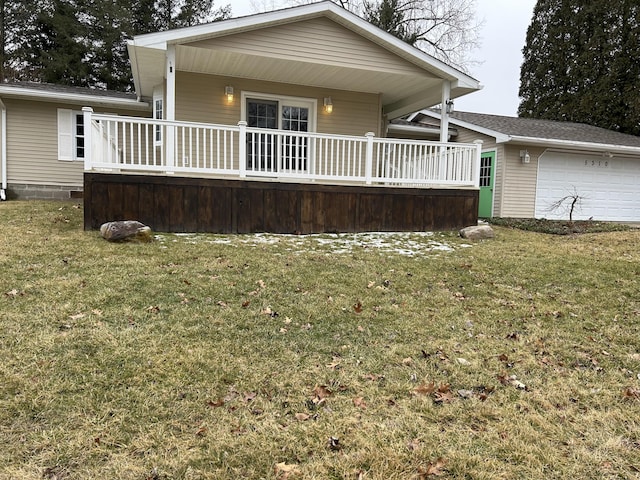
point(500, 137)
point(204, 31)
point(550, 142)
point(76, 98)
point(413, 129)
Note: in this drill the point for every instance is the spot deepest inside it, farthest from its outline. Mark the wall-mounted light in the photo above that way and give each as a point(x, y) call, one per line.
point(328, 105)
point(524, 156)
point(449, 106)
point(228, 94)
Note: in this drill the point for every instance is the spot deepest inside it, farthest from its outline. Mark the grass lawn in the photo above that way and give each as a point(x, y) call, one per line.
point(405, 356)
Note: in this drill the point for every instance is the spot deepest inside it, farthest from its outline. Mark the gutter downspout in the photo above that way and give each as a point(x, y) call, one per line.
point(3, 151)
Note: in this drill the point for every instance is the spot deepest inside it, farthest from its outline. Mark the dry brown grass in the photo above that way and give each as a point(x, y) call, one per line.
point(210, 357)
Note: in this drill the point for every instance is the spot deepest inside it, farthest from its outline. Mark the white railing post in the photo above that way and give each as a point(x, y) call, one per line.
point(242, 148)
point(476, 163)
point(88, 138)
point(368, 166)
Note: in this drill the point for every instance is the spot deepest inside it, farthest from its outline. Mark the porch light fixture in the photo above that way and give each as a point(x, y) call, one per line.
point(328, 105)
point(228, 93)
point(524, 156)
point(449, 106)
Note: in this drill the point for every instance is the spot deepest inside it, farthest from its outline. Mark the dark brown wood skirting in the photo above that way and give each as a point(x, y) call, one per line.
point(180, 204)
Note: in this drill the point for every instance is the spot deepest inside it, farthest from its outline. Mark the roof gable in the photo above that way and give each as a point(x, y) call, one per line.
point(256, 46)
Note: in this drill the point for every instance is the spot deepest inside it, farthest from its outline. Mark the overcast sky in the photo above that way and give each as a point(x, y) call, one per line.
point(502, 38)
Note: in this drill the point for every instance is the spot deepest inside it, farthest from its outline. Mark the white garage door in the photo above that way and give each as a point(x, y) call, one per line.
point(609, 187)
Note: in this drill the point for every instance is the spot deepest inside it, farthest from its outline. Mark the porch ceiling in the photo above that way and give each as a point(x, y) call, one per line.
point(402, 92)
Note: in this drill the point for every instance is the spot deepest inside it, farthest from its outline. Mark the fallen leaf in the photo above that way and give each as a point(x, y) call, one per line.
point(407, 361)
point(262, 284)
point(359, 402)
point(153, 309)
point(425, 388)
point(335, 364)
point(503, 358)
point(434, 469)
point(77, 316)
point(321, 392)
point(443, 397)
point(302, 417)
point(284, 470)
point(631, 393)
point(202, 431)
point(371, 284)
point(358, 307)
point(413, 444)
point(360, 328)
point(463, 361)
point(222, 304)
point(215, 403)
point(13, 293)
point(246, 303)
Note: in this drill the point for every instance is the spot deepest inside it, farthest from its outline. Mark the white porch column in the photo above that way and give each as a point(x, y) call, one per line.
point(88, 137)
point(444, 116)
point(368, 169)
point(242, 148)
point(477, 163)
point(170, 107)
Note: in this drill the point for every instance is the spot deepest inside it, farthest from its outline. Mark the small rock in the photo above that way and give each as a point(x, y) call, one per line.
point(126, 231)
point(477, 232)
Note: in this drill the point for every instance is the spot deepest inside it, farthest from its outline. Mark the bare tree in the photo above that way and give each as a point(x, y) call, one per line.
point(445, 29)
point(569, 203)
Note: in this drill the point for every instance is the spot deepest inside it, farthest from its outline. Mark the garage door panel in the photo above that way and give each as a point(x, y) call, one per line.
point(609, 187)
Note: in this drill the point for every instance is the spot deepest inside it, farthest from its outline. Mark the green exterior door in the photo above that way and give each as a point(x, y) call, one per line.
point(485, 203)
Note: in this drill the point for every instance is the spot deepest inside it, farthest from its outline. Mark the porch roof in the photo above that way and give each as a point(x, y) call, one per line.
point(417, 84)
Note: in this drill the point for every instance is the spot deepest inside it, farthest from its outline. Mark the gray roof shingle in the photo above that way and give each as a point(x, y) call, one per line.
point(64, 89)
point(547, 129)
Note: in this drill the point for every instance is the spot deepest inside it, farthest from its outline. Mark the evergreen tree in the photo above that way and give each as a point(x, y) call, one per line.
point(59, 50)
point(580, 63)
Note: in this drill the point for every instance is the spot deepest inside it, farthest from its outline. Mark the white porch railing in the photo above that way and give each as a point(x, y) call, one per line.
point(130, 144)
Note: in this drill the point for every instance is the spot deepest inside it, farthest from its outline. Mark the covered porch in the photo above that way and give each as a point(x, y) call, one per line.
point(298, 99)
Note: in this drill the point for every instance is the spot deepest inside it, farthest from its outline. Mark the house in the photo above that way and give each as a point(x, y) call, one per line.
point(41, 136)
point(528, 165)
point(269, 122)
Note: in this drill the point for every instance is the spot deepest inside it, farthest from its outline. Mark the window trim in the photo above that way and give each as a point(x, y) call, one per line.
point(311, 103)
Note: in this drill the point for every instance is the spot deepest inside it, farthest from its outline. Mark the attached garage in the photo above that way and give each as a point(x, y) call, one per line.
point(539, 162)
point(607, 186)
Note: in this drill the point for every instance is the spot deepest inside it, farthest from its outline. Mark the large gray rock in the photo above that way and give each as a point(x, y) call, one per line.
point(477, 232)
point(126, 231)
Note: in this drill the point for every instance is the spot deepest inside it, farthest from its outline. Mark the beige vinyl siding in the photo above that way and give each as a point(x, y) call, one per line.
point(200, 98)
point(318, 40)
point(32, 144)
point(518, 189)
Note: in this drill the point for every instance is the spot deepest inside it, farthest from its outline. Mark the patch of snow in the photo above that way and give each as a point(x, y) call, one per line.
point(400, 243)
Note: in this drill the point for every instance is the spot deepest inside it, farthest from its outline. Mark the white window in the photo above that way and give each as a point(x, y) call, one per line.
point(70, 135)
point(158, 114)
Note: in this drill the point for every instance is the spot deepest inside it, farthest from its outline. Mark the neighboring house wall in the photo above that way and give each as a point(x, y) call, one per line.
point(200, 98)
point(33, 166)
